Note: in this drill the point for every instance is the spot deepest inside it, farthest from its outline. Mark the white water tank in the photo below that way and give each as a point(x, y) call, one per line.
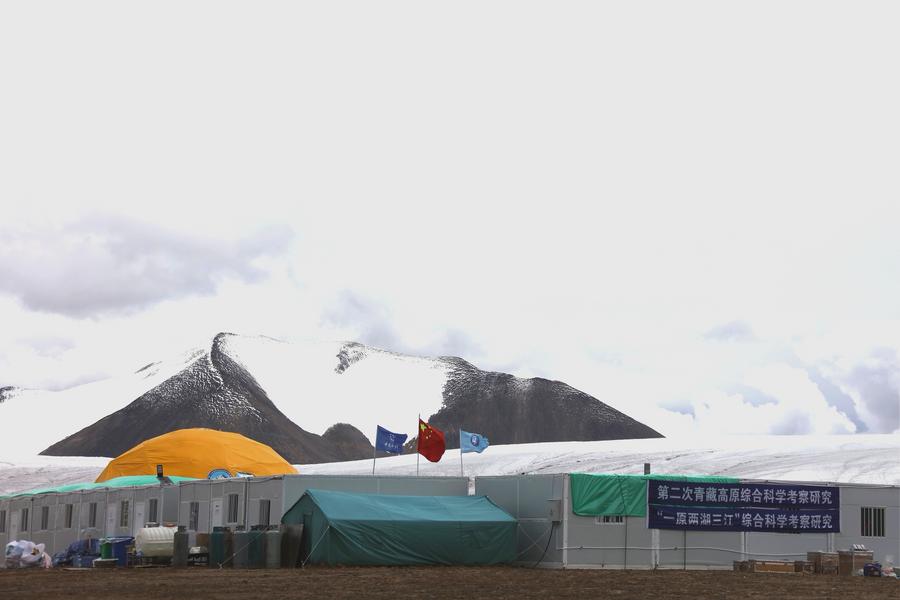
point(157, 542)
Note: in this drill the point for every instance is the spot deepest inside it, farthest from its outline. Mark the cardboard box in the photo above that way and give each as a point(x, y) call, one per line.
point(742, 565)
point(850, 562)
point(824, 563)
point(771, 566)
point(803, 566)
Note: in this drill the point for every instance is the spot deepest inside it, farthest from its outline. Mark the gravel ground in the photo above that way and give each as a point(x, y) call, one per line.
point(434, 582)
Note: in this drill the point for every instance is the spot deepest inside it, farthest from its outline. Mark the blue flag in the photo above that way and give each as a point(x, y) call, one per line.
point(472, 442)
point(389, 441)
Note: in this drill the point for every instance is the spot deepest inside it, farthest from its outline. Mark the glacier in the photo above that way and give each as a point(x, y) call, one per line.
point(859, 458)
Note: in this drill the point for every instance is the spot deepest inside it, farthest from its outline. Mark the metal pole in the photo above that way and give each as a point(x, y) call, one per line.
point(418, 435)
point(374, 451)
point(461, 474)
point(246, 502)
point(565, 520)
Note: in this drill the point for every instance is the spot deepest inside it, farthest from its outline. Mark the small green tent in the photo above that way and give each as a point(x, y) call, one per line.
point(341, 528)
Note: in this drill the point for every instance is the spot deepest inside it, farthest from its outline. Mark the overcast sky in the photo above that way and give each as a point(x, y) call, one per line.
point(686, 209)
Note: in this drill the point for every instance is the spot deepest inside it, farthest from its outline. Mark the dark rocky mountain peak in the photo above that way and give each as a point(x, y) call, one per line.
point(7, 392)
point(212, 387)
point(213, 391)
point(511, 410)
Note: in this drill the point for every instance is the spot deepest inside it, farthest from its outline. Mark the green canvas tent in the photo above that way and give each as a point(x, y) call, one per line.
point(341, 528)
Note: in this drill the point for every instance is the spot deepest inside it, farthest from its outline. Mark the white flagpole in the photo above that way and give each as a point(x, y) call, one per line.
point(418, 436)
point(460, 455)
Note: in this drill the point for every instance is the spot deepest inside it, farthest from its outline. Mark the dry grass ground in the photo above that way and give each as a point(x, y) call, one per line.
point(455, 583)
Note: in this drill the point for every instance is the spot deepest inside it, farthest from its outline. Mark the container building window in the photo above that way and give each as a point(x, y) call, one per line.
point(2, 521)
point(92, 514)
point(194, 518)
point(23, 521)
point(45, 518)
point(871, 521)
point(153, 510)
point(611, 520)
point(68, 519)
point(232, 508)
point(265, 508)
point(123, 513)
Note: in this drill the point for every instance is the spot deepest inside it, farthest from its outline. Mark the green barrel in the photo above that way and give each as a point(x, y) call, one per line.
point(229, 547)
point(241, 548)
point(257, 557)
point(273, 547)
point(180, 547)
point(217, 547)
point(105, 549)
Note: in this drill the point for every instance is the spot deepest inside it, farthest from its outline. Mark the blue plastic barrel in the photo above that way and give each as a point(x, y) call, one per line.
point(872, 569)
point(119, 549)
point(85, 561)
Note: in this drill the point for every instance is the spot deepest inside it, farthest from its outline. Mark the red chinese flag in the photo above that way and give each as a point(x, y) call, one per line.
point(431, 442)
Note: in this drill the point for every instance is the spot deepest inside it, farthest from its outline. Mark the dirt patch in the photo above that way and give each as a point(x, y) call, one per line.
point(435, 582)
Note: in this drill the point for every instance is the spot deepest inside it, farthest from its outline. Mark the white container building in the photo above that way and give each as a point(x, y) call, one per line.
point(550, 534)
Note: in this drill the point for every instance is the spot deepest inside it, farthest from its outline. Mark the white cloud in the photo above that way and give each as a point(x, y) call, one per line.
point(872, 380)
point(797, 406)
point(106, 264)
point(578, 192)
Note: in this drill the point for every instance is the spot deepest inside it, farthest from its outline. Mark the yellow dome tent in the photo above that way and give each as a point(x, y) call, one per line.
point(199, 453)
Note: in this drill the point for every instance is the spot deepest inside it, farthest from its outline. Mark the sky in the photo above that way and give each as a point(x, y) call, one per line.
point(687, 210)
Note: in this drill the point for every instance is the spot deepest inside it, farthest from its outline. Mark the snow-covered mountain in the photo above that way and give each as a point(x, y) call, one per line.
point(268, 390)
point(34, 419)
point(213, 391)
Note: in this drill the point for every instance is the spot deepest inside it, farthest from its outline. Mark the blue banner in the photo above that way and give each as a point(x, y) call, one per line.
point(472, 442)
point(748, 495)
point(699, 518)
point(389, 441)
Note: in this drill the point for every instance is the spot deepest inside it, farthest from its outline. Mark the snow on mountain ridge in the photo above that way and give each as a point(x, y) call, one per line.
point(205, 368)
point(320, 383)
point(234, 379)
point(42, 416)
point(382, 388)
